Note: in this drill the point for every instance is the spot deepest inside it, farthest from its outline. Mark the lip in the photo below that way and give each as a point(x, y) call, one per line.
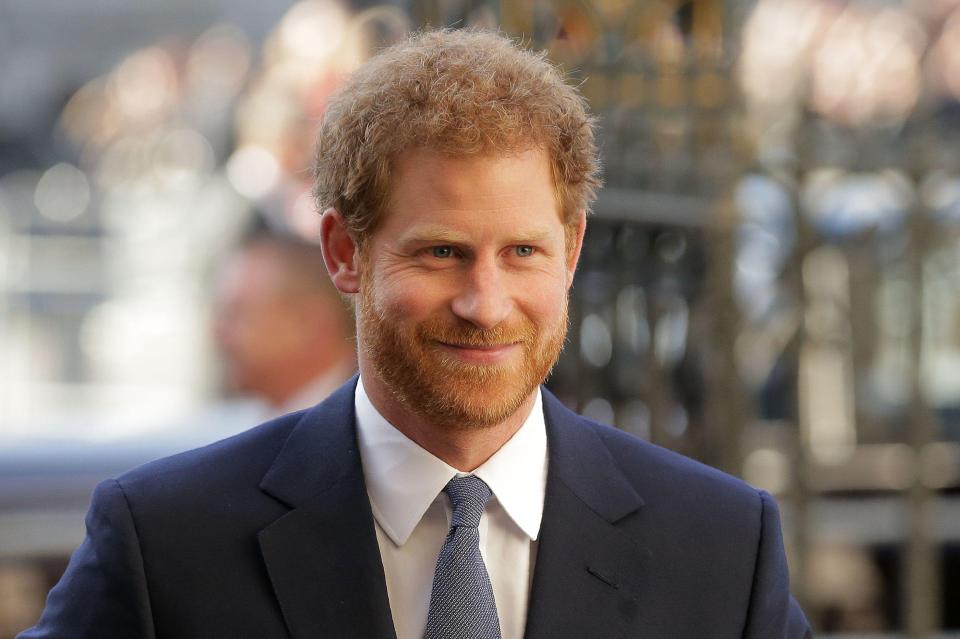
point(480, 354)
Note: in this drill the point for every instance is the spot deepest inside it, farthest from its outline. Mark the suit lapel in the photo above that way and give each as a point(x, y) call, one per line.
point(587, 574)
point(324, 562)
point(322, 556)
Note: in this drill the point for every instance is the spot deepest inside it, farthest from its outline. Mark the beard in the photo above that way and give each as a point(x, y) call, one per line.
point(428, 380)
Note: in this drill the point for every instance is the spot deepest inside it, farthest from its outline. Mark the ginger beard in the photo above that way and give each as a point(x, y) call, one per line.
point(426, 379)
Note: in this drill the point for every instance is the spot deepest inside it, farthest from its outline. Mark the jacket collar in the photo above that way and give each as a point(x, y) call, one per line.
point(580, 460)
point(322, 556)
point(588, 571)
point(324, 561)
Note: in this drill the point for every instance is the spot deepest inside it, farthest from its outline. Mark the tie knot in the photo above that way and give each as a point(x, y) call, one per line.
point(468, 496)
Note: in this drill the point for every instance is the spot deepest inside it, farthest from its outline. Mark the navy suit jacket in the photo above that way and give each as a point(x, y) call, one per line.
point(270, 534)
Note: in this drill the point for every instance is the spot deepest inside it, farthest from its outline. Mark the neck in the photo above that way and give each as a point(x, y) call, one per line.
point(292, 379)
point(464, 449)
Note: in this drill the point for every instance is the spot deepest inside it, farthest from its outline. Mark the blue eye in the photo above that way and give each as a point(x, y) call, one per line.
point(442, 251)
point(524, 251)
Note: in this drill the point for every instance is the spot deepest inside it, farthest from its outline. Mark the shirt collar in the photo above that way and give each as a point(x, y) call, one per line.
point(403, 479)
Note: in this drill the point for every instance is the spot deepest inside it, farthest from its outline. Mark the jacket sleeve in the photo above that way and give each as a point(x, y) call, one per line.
point(103, 592)
point(773, 613)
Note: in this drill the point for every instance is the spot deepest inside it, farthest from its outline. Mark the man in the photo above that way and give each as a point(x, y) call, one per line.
point(442, 494)
point(284, 332)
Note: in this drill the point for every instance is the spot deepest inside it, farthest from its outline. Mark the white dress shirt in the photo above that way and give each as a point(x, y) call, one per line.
point(405, 484)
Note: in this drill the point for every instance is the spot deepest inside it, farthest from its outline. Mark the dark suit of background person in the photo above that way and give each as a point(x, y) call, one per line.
point(270, 534)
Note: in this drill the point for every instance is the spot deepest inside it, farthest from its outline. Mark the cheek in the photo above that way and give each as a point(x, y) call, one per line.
point(268, 328)
point(409, 299)
point(545, 304)
point(234, 330)
point(255, 323)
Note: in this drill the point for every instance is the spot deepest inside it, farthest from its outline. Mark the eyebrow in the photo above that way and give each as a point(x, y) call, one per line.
point(432, 234)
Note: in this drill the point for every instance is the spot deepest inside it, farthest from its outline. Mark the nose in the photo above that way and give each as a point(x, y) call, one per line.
point(221, 329)
point(483, 299)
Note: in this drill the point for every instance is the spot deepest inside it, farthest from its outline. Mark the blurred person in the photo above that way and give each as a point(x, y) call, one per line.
point(21, 596)
point(443, 493)
point(846, 589)
point(283, 330)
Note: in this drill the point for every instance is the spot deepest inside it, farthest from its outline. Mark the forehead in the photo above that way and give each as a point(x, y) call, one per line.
point(255, 270)
point(432, 187)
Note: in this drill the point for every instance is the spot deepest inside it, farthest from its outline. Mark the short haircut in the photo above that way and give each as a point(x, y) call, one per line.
point(304, 270)
point(458, 92)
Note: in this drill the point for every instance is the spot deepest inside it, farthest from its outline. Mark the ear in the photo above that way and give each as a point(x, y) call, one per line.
point(340, 252)
point(573, 251)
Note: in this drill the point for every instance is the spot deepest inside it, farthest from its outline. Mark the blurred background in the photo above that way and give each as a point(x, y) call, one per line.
point(770, 281)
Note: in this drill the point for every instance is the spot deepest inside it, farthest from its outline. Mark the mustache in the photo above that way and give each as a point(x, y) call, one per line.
point(470, 335)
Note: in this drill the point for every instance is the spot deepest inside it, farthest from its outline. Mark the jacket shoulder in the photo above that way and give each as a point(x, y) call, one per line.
point(645, 463)
point(240, 460)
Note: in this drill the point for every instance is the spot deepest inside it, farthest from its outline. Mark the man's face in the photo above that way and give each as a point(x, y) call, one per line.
point(258, 324)
point(463, 294)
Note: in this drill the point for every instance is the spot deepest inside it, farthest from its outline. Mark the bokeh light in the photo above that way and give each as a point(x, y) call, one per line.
point(62, 193)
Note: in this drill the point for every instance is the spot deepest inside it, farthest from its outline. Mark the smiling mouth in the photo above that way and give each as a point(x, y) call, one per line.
point(479, 347)
point(480, 353)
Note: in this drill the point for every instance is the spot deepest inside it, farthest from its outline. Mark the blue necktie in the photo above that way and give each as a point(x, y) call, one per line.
point(461, 602)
